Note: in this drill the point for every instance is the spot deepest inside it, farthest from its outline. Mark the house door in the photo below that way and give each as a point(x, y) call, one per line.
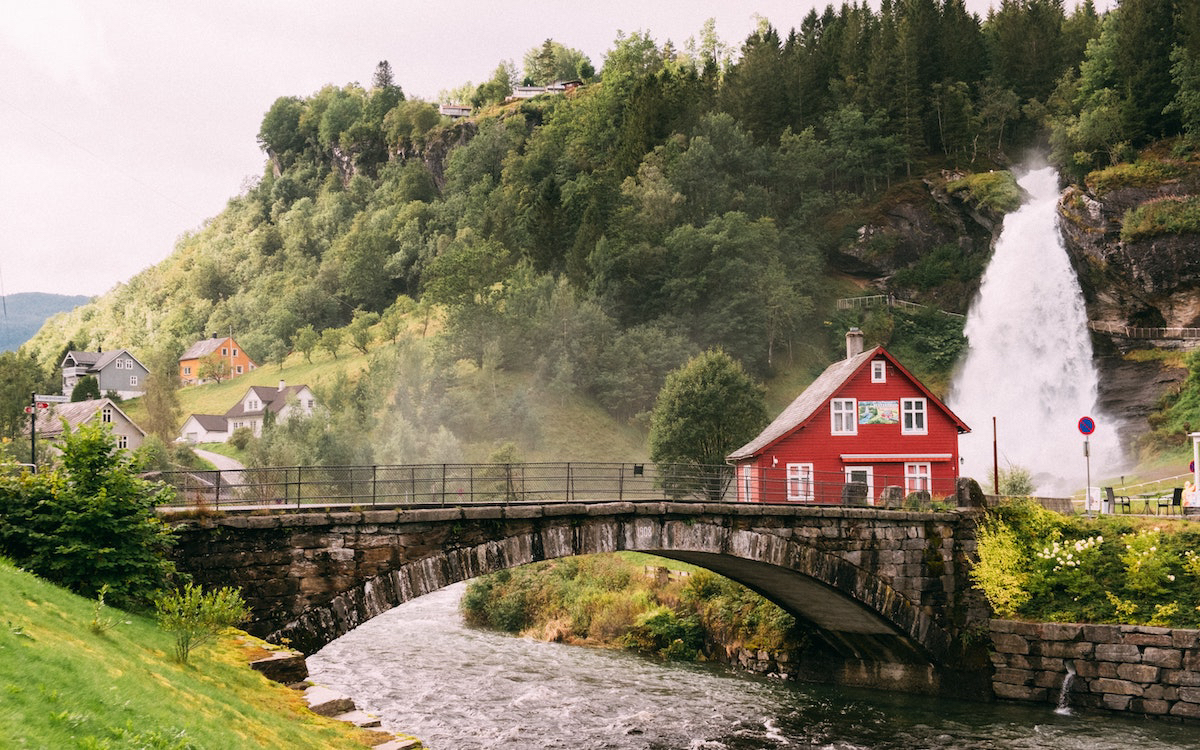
point(865, 475)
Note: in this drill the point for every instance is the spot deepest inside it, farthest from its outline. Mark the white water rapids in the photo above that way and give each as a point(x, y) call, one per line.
point(1029, 362)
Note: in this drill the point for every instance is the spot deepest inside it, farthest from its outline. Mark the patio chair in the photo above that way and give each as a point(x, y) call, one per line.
point(1117, 501)
point(1174, 501)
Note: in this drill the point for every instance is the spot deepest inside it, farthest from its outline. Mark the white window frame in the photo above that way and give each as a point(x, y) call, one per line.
point(918, 477)
point(106, 415)
point(187, 370)
point(914, 416)
point(870, 472)
point(133, 380)
point(251, 404)
point(843, 416)
point(239, 369)
point(878, 371)
point(122, 441)
point(747, 476)
point(800, 487)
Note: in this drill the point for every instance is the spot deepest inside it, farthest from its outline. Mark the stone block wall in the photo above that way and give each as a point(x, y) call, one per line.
point(1132, 668)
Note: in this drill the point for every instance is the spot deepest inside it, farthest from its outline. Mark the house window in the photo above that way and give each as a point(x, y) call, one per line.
point(844, 415)
point(239, 369)
point(224, 352)
point(311, 404)
point(878, 371)
point(133, 380)
point(746, 486)
point(251, 405)
point(187, 370)
point(800, 482)
point(235, 352)
point(106, 414)
point(122, 441)
point(916, 478)
point(912, 416)
point(128, 364)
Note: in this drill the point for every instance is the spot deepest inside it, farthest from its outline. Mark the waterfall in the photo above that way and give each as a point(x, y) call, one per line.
point(1064, 693)
point(1029, 358)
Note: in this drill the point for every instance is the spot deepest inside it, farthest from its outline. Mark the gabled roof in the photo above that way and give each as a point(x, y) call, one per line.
point(81, 359)
point(202, 348)
point(273, 399)
point(211, 422)
point(50, 421)
point(96, 361)
point(820, 391)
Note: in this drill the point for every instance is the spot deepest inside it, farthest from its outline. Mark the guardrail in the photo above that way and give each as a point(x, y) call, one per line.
point(457, 484)
point(1141, 332)
point(886, 300)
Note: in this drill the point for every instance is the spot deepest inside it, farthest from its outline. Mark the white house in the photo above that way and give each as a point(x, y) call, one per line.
point(284, 402)
point(205, 428)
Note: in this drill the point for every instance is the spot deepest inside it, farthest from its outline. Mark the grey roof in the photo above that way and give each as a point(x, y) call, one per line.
point(50, 421)
point(271, 398)
point(212, 422)
point(201, 349)
point(807, 403)
point(96, 361)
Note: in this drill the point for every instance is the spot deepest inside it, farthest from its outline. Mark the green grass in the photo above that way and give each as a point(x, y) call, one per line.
point(1163, 216)
point(995, 190)
point(1148, 173)
point(64, 686)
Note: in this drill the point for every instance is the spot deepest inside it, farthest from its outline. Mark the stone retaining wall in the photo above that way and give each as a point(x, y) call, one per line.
point(1141, 670)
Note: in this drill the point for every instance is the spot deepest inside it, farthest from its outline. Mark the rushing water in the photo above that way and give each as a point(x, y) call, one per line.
point(423, 672)
point(1029, 362)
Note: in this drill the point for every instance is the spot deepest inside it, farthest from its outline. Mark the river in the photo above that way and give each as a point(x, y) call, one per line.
point(423, 672)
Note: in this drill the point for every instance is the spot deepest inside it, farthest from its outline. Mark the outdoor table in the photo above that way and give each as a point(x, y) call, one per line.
point(1146, 497)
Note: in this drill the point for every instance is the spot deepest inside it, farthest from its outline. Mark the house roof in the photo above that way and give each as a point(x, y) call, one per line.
point(202, 348)
point(211, 422)
point(50, 421)
point(96, 361)
point(820, 391)
point(271, 398)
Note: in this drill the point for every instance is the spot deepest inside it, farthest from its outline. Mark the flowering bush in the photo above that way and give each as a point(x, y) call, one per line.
point(1073, 569)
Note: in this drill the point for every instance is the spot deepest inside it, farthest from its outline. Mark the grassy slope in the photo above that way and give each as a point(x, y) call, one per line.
point(63, 686)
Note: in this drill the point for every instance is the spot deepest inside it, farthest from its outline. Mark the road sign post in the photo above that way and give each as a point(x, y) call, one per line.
point(1087, 426)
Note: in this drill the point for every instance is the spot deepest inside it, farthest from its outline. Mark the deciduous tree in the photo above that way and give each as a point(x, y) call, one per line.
point(706, 409)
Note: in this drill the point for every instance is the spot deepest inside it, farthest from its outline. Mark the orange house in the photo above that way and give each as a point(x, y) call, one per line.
point(213, 359)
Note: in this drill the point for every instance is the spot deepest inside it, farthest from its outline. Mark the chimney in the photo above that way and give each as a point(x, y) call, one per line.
point(282, 385)
point(854, 343)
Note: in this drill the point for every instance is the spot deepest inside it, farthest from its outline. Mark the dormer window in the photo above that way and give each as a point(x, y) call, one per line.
point(252, 405)
point(878, 371)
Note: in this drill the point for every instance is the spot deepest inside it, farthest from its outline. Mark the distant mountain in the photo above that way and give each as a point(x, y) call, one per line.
point(21, 315)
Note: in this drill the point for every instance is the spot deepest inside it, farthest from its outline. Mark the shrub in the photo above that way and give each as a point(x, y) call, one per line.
point(1162, 216)
point(196, 617)
point(90, 522)
point(998, 573)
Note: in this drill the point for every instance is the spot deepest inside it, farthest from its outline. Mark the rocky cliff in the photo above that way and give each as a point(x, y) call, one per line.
point(1148, 282)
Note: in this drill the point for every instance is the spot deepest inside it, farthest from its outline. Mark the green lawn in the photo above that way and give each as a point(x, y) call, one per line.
point(64, 686)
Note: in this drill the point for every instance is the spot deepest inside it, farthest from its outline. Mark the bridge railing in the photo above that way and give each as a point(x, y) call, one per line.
point(439, 484)
point(458, 484)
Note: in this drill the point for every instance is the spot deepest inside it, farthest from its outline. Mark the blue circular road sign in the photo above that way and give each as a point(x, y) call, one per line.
point(1087, 425)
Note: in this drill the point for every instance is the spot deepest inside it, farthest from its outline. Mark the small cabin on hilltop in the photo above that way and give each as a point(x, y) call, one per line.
point(865, 432)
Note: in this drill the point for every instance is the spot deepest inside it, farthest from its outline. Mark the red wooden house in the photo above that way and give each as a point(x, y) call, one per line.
point(866, 430)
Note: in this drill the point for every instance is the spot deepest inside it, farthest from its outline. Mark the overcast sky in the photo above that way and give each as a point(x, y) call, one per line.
point(127, 123)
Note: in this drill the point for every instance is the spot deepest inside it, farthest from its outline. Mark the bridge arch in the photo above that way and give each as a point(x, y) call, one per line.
point(879, 589)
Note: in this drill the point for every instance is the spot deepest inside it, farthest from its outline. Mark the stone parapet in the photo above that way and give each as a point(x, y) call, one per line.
point(1128, 668)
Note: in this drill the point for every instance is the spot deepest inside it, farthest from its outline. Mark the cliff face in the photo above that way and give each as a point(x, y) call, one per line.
point(911, 223)
point(1152, 282)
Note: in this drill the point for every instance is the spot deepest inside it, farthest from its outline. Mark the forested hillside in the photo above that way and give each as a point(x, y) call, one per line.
point(680, 199)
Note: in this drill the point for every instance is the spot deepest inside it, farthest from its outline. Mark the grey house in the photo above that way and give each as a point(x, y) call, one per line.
point(117, 371)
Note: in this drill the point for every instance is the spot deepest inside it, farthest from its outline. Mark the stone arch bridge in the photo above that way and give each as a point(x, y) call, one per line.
point(884, 594)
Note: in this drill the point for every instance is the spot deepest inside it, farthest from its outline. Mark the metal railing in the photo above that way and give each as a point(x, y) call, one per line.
point(1141, 332)
point(886, 300)
point(458, 484)
point(435, 484)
